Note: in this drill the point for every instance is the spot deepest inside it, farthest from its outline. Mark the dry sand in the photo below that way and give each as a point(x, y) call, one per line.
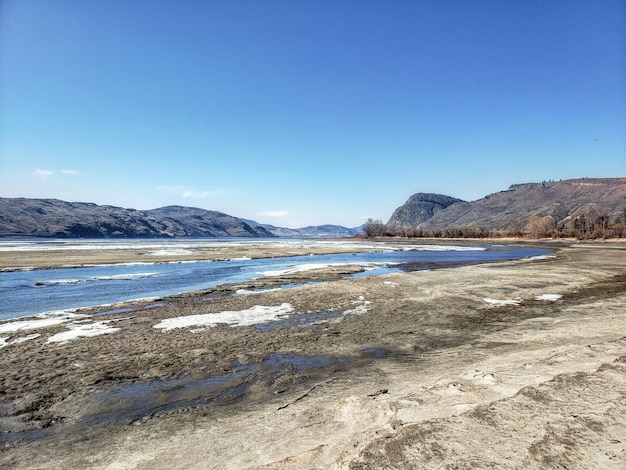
point(411, 370)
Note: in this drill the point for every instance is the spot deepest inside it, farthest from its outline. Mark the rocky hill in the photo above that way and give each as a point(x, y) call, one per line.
point(420, 208)
point(559, 199)
point(20, 217)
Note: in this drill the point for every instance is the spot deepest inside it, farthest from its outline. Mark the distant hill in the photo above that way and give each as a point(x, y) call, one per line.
point(312, 231)
point(20, 217)
point(559, 199)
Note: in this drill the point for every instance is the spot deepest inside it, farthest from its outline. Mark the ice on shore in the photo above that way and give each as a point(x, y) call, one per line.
point(540, 257)
point(22, 339)
point(51, 319)
point(254, 292)
point(441, 248)
point(123, 277)
point(517, 300)
point(57, 282)
point(297, 269)
point(311, 266)
point(503, 302)
point(361, 306)
point(171, 252)
point(247, 317)
point(78, 330)
point(549, 297)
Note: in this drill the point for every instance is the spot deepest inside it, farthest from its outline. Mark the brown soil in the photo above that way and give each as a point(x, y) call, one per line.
point(430, 376)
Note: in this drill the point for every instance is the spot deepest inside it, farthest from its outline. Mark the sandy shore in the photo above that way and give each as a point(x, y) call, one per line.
point(511, 365)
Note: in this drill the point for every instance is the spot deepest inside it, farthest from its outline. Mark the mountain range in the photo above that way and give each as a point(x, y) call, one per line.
point(310, 231)
point(22, 217)
point(558, 199)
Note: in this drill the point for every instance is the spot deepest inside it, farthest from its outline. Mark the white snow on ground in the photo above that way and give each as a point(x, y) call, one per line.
point(21, 339)
point(549, 297)
point(49, 319)
point(78, 330)
point(500, 303)
point(250, 316)
point(361, 306)
point(311, 266)
point(170, 252)
point(535, 258)
point(253, 292)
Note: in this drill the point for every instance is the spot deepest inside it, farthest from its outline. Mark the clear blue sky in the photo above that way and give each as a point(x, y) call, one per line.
point(306, 112)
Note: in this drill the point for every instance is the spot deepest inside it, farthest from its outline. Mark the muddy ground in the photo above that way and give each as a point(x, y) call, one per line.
point(405, 370)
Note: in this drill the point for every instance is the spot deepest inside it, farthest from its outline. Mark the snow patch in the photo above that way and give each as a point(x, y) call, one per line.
point(170, 252)
point(297, 269)
point(440, 248)
point(43, 321)
point(80, 330)
point(22, 339)
point(549, 297)
point(253, 292)
point(311, 266)
point(361, 306)
point(247, 317)
point(539, 257)
point(501, 303)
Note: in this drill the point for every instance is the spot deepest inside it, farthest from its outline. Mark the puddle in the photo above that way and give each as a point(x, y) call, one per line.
point(142, 400)
point(137, 402)
point(377, 353)
point(293, 362)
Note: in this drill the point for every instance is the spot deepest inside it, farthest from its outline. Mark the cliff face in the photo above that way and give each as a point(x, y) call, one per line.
point(559, 199)
point(420, 208)
point(20, 217)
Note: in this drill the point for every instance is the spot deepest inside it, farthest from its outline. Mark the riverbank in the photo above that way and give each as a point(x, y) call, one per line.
point(422, 369)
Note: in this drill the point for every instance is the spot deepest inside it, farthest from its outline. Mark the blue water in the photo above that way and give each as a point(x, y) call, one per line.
point(25, 293)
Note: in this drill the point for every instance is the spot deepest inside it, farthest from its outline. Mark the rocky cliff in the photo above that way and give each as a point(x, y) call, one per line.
point(559, 199)
point(420, 208)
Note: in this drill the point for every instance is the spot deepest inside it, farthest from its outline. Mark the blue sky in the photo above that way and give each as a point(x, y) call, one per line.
point(306, 112)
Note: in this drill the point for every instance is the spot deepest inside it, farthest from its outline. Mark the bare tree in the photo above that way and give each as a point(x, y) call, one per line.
point(374, 228)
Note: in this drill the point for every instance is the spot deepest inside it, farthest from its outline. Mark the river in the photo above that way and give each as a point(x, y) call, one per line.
point(31, 292)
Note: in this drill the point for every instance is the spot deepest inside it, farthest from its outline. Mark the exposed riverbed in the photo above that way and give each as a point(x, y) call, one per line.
point(415, 369)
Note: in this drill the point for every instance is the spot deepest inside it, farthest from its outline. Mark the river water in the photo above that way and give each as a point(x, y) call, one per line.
point(24, 293)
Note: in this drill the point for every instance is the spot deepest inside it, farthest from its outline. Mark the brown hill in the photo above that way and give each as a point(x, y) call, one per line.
point(21, 217)
point(559, 199)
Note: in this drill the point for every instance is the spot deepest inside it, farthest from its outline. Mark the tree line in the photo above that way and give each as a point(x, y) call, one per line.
point(595, 224)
